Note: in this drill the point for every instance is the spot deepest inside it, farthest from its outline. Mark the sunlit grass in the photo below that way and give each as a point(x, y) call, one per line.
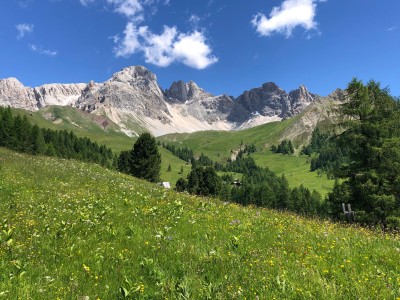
point(70, 230)
point(296, 169)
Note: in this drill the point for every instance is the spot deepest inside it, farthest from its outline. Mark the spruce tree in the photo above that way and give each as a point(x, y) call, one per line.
point(145, 160)
point(371, 178)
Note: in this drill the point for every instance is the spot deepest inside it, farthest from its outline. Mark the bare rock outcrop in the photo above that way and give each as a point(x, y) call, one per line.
point(13, 93)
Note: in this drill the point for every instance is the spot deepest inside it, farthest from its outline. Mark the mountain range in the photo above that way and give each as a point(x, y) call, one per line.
point(133, 99)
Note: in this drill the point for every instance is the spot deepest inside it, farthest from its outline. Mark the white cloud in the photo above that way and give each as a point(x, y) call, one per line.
point(158, 48)
point(166, 48)
point(193, 51)
point(194, 20)
point(130, 43)
point(42, 51)
point(392, 28)
point(163, 49)
point(283, 19)
point(129, 8)
point(23, 29)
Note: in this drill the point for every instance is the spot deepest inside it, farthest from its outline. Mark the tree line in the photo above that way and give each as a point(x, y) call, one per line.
point(18, 134)
point(258, 186)
point(284, 147)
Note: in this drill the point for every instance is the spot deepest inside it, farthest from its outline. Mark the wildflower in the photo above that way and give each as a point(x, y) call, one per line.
point(86, 268)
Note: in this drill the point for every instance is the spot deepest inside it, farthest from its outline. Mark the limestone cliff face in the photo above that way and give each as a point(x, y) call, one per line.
point(183, 92)
point(13, 93)
point(133, 89)
point(58, 94)
point(269, 101)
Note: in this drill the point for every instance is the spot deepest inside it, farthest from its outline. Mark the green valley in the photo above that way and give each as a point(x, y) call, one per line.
point(215, 144)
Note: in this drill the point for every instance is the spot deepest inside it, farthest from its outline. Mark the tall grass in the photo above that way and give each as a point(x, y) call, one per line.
point(70, 230)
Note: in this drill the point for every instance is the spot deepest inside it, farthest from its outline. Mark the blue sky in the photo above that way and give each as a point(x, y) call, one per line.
point(226, 46)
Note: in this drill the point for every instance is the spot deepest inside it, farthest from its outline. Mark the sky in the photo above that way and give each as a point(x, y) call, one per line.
point(225, 46)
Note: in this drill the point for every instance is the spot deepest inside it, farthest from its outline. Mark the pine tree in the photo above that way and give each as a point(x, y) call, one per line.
point(371, 122)
point(145, 160)
point(38, 143)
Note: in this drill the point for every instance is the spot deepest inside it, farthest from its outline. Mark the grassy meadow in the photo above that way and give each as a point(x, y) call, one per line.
point(216, 145)
point(70, 230)
point(296, 169)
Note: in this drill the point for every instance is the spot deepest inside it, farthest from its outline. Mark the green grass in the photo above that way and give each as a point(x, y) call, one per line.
point(176, 165)
point(215, 144)
point(88, 125)
point(296, 169)
point(70, 230)
point(218, 144)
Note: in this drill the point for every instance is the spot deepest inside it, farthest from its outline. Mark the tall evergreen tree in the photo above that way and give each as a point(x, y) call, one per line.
point(372, 133)
point(145, 160)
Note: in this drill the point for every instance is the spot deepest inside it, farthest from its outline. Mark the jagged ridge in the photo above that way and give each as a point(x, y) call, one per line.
point(133, 96)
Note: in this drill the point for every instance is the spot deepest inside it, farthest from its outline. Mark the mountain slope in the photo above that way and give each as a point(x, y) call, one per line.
point(74, 230)
point(298, 129)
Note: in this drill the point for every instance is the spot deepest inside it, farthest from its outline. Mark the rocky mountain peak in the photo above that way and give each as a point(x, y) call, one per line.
point(177, 91)
point(13, 93)
point(338, 95)
point(270, 87)
point(11, 82)
point(135, 76)
point(133, 96)
point(302, 95)
point(183, 92)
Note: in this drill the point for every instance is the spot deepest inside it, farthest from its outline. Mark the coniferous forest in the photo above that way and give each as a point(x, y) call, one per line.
point(18, 134)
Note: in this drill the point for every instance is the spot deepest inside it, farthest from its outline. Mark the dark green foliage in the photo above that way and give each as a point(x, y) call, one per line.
point(285, 147)
point(123, 162)
point(250, 149)
point(210, 182)
point(18, 134)
point(318, 142)
point(372, 174)
point(301, 200)
point(144, 158)
point(259, 186)
point(325, 152)
point(204, 160)
point(169, 168)
point(181, 185)
point(202, 181)
point(185, 153)
point(241, 165)
point(38, 142)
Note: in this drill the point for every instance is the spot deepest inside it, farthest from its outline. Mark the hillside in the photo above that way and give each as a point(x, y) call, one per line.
point(220, 145)
point(214, 144)
point(72, 230)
